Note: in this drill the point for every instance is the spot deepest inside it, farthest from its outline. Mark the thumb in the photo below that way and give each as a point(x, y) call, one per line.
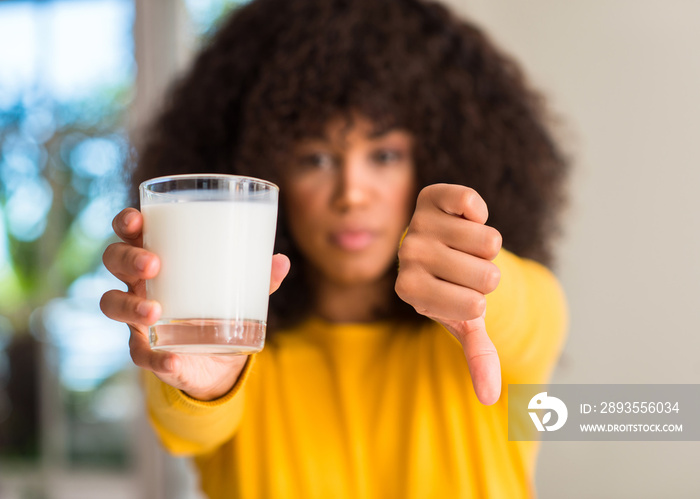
point(482, 357)
point(280, 269)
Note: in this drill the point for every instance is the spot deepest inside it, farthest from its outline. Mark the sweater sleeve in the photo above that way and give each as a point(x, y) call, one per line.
point(527, 319)
point(187, 426)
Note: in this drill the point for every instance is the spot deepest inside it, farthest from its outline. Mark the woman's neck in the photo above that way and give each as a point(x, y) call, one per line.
point(365, 302)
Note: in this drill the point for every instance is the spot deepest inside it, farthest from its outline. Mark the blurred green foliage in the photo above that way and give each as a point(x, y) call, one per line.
point(61, 177)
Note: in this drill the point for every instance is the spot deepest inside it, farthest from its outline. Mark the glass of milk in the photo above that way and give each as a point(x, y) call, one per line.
point(214, 235)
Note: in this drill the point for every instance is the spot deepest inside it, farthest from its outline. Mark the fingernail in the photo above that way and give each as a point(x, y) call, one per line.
point(143, 308)
point(141, 262)
point(128, 218)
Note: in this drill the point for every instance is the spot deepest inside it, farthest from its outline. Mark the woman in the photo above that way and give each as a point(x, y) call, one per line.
point(377, 118)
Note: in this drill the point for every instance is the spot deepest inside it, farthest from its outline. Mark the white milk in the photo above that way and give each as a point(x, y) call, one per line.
point(215, 258)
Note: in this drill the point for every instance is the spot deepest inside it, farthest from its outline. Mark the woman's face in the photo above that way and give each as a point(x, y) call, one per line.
point(348, 198)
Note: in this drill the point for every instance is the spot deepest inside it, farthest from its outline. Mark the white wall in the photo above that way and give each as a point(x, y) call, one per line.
point(625, 76)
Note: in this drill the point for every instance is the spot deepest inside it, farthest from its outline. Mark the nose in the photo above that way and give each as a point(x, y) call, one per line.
point(353, 184)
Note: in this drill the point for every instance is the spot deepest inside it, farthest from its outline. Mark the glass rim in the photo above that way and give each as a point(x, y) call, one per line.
point(194, 176)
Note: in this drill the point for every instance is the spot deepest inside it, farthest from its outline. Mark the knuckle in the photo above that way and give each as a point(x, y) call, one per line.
point(108, 254)
point(135, 350)
point(465, 200)
point(133, 353)
point(418, 224)
point(409, 251)
point(468, 194)
point(479, 306)
point(494, 240)
point(117, 220)
point(400, 286)
point(421, 310)
point(474, 204)
point(475, 307)
point(406, 287)
point(491, 278)
point(468, 197)
point(430, 189)
point(429, 193)
point(104, 302)
point(424, 194)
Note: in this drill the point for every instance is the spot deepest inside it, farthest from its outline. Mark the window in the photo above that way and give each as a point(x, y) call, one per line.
point(71, 418)
point(67, 396)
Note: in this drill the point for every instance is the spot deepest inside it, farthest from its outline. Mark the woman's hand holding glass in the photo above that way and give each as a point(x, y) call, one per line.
point(445, 271)
point(201, 377)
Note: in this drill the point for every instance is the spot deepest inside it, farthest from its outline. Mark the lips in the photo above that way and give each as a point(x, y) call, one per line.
point(353, 240)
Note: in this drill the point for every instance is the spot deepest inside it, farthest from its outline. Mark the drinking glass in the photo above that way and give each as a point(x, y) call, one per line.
point(214, 235)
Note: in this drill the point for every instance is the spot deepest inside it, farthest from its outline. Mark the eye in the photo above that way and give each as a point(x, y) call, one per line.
point(384, 156)
point(317, 160)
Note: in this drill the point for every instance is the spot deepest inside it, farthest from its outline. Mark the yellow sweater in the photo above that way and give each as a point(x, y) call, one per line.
point(373, 410)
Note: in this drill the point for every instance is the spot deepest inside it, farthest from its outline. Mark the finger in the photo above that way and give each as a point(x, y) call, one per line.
point(128, 225)
point(280, 269)
point(458, 200)
point(433, 297)
point(465, 270)
point(435, 258)
point(129, 263)
point(482, 357)
point(483, 361)
point(144, 357)
point(129, 308)
point(467, 236)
